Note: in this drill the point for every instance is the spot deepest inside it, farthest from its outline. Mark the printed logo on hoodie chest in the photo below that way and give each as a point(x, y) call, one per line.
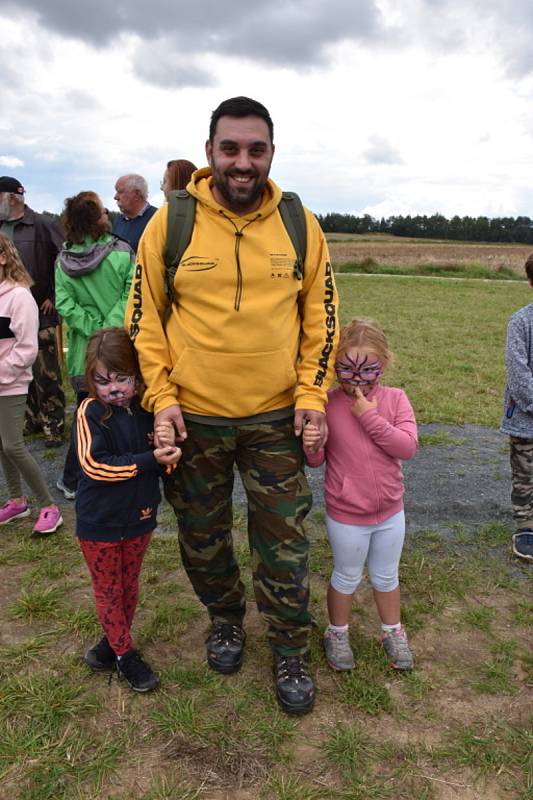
point(281, 265)
point(198, 263)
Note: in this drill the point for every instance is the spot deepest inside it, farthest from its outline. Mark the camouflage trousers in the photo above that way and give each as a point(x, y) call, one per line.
point(45, 406)
point(522, 481)
point(270, 460)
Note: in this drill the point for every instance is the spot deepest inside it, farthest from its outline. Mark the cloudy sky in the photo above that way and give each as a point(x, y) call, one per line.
point(380, 106)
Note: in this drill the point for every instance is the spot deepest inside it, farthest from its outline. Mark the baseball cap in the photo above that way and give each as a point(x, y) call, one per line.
point(8, 184)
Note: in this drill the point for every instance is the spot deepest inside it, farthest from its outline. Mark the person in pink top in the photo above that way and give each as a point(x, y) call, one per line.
point(19, 327)
point(372, 428)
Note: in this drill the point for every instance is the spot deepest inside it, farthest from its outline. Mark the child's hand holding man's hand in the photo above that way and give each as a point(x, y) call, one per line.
point(165, 434)
point(167, 455)
point(311, 437)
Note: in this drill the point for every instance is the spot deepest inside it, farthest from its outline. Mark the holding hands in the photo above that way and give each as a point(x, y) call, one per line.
point(311, 437)
point(172, 417)
point(166, 452)
point(360, 403)
point(167, 455)
point(165, 433)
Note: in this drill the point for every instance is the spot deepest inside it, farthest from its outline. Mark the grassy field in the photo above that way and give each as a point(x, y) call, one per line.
point(459, 726)
point(448, 336)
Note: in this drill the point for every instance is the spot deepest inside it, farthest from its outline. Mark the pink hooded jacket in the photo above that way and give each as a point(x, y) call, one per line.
point(19, 329)
point(364, 481)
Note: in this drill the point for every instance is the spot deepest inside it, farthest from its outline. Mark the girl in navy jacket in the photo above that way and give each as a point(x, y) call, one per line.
point(117, 497)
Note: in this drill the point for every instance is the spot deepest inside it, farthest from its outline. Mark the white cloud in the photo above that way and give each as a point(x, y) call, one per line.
point(10, 161)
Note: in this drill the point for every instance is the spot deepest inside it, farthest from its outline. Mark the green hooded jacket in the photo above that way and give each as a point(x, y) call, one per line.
point(92, 282)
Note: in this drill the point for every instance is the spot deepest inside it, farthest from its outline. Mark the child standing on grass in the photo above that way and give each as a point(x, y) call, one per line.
point(19, 327)
point(117, 497)
point(517, 421)
point(371, 427)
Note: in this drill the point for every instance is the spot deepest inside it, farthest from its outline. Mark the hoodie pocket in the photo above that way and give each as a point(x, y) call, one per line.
point(358, 494)
point(234, 384)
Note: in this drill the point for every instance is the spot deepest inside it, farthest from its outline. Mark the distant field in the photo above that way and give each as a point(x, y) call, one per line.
point(404, 252)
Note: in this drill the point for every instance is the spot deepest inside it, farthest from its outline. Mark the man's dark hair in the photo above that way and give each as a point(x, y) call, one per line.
point(240, 107)
point(528, 266)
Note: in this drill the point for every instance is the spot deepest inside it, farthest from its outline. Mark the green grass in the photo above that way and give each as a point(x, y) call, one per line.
point(39, 603)
point(493, 748)
point(68, 734)
point(478, 618)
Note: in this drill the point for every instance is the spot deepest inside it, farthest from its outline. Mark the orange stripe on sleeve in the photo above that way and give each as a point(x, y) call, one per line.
point(97, 470)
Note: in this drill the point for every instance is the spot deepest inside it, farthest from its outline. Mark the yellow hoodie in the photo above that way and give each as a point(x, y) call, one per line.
point(244, 336)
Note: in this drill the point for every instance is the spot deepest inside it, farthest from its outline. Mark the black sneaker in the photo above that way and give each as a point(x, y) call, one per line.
point(294, 686)
point(101, 656)
point(136, 672)
point(225, 647)
point(523, 544)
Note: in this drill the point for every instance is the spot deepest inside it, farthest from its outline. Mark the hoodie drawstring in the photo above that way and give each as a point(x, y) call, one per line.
point(238, 236)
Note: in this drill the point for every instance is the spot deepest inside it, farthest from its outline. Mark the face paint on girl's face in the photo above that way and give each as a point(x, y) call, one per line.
point(358, 368)
point(114, 388)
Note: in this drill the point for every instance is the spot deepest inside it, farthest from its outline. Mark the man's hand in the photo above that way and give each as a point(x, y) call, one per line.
point(173, 415)
point(316, 418)
point(361, 404)
point(47, 307)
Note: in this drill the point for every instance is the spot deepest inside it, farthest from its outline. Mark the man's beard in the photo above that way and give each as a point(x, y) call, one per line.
point(239, 199)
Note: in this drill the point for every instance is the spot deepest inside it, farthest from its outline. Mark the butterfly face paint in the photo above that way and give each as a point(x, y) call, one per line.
point(359, 369)
point(113, 388)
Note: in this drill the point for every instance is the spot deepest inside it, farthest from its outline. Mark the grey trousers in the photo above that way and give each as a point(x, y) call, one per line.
point(17, 461)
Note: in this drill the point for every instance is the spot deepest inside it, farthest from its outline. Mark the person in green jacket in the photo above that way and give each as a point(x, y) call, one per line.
point(92, 280)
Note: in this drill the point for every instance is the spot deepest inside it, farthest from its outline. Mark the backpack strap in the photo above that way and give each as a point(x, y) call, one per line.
point(293, 216)
point(181, 210)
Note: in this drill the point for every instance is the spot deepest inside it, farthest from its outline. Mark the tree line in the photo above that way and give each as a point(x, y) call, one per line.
point(467, 229)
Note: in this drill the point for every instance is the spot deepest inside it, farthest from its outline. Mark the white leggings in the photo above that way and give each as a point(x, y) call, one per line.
point(379, 545)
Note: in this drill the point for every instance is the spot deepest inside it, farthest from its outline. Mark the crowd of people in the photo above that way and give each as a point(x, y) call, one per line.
point(189, 362)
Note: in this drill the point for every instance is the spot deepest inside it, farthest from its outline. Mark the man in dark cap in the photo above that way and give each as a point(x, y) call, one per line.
point(38, 239)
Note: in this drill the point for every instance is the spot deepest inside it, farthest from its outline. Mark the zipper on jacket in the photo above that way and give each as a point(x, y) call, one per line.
point(239, 233)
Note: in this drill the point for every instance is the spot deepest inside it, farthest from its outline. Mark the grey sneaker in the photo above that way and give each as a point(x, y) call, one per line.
point(70, 494)
point(339, 654)
point(397, 648)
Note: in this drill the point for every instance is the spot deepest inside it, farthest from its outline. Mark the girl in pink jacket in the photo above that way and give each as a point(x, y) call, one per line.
point(371, 428)
point(19, 326)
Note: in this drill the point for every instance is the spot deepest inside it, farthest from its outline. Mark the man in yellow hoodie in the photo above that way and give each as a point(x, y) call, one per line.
point(236, 366)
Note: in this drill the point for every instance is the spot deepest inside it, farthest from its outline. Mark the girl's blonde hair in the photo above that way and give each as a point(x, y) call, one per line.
point(367, 334)
point(14, 270)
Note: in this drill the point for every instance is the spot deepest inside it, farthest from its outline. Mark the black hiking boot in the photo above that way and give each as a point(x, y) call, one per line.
point(294, 686)
point(225, 647)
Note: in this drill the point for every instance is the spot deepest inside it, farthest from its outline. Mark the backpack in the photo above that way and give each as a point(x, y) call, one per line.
point(181, 211)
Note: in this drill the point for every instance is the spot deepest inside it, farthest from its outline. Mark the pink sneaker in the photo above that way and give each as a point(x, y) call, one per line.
point(13, 510)
point(49, 520)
